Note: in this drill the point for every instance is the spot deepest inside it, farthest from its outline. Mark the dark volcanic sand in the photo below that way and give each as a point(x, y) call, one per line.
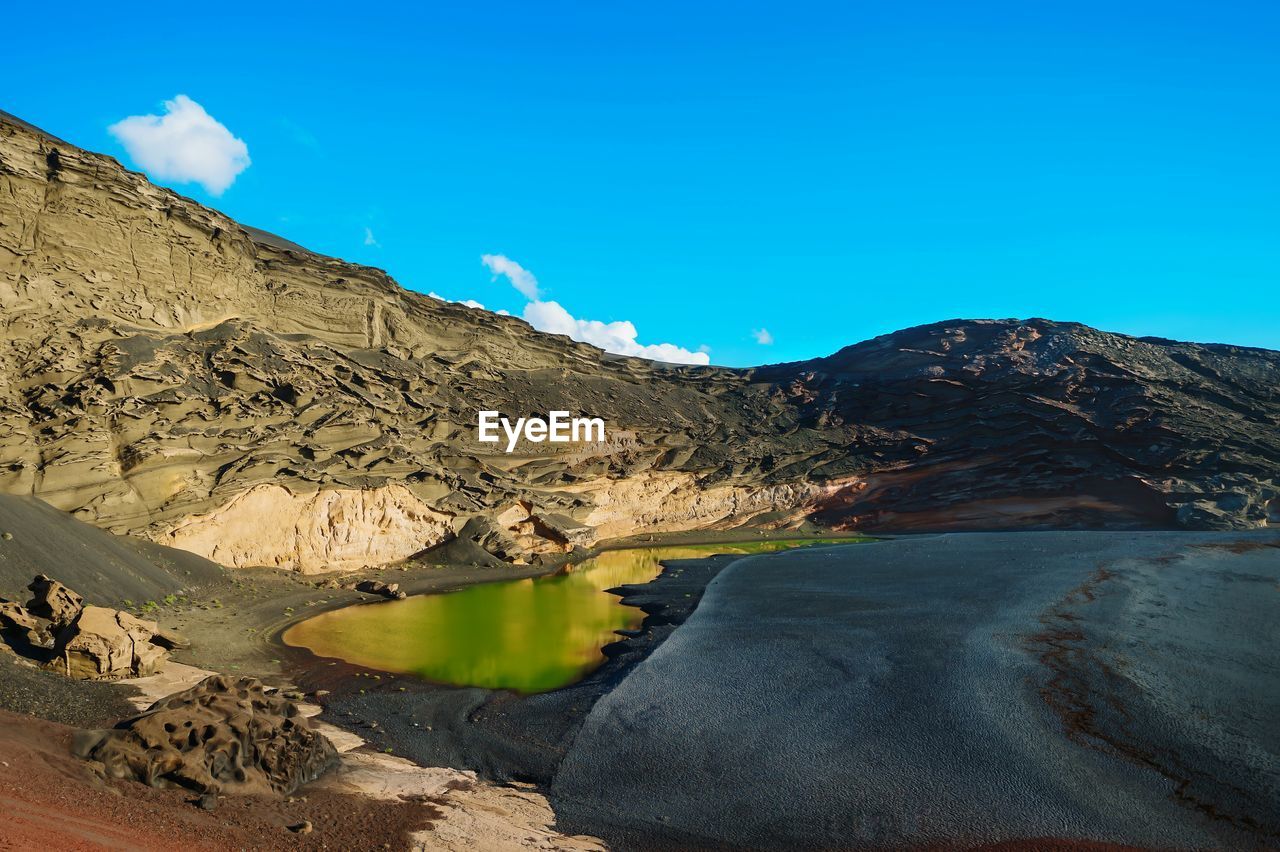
point(953, 690)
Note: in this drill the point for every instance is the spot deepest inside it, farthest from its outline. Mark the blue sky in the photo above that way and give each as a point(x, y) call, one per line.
point(824, 171)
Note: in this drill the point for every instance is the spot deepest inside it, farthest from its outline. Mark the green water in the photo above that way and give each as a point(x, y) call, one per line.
point(529, 635)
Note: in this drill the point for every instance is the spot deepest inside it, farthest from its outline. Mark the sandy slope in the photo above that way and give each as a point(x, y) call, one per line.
point(105, 569)
point(977, 688)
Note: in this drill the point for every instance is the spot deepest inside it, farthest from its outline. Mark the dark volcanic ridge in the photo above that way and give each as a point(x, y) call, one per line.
point(168, 373)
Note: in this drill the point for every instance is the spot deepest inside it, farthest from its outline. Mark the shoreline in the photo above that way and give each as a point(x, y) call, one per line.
point(502, 735)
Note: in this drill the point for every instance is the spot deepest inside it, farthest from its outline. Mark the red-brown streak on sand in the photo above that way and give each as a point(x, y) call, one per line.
point(1239, 547)
point(1063, 648)
point(51, 800)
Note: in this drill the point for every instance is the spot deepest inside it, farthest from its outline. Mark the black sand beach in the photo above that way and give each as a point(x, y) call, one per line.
point(953, 690)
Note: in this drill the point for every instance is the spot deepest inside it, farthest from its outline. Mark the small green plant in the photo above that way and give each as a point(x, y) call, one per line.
point(7, 536)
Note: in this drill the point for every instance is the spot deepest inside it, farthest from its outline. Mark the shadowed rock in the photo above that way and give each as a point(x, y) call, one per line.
point(377, 587)
point(53, 601)
point(225, 735)
point(21, 630)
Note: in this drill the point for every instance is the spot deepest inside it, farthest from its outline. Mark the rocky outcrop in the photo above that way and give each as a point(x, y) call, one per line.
point(672, 501)
point(168, 373)
point(390, 591)
point(53, 601)
point(228, 736)
point(1003, 424)
point(22, 631)
point(85, 642)
point(106, 644)
point(339, 529)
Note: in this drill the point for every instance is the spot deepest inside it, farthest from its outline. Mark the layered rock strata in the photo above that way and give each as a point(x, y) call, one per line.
point(167, 372)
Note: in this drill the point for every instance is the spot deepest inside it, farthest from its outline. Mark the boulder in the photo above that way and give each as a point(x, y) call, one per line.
point(105, 644)
point(1211, 515)
point(228, 736)
point(20, 629)
point(54, 601)
point(565, 529)
point(377, 587)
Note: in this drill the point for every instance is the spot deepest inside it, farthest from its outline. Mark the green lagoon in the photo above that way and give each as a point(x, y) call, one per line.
point(529, 635)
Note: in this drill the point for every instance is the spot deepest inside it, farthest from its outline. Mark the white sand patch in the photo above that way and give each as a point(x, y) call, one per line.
point(174, 677)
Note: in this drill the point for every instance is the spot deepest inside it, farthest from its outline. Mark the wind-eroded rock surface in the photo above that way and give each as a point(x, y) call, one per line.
point(224, 735)
point(169, 373)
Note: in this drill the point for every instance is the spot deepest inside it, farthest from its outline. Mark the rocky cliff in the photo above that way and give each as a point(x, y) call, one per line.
point(167, 372)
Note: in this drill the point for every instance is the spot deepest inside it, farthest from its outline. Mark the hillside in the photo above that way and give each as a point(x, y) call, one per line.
point(169, 373)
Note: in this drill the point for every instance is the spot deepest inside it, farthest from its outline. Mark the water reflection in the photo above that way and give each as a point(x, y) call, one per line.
point(529, 635)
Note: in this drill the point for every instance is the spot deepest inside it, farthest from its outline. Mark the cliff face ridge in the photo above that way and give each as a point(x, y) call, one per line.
point(168, 373)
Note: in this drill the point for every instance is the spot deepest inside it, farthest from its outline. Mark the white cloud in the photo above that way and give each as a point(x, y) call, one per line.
point(470, 303)
point(186, 145)
point(763, 337)
point(369, 239)
point(617, 337)
point(520, 278)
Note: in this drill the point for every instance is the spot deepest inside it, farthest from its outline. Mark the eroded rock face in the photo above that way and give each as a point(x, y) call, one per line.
point(20, 629)
point(106, 644)
point(57, 630)
point(168, 373)
point(225, 735)
point(338, 529)
point(53, 601)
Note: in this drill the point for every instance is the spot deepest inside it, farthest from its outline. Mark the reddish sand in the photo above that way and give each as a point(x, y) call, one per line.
point(51, 800)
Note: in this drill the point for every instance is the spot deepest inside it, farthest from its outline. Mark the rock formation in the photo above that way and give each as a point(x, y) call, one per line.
point(22, 631)
point(53, 601)
point(81, 641)
point(225, 735)
point(391, 591)
point(107, 644)
point(169, 373)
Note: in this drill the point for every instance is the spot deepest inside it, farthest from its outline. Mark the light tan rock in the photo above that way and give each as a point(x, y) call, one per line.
point(668, 501)
point(105, 644)
point(332, 530)
point(21, 629)
point(53, 601)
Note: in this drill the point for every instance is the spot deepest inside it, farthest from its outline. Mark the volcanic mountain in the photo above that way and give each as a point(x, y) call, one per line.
point(169, 373)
